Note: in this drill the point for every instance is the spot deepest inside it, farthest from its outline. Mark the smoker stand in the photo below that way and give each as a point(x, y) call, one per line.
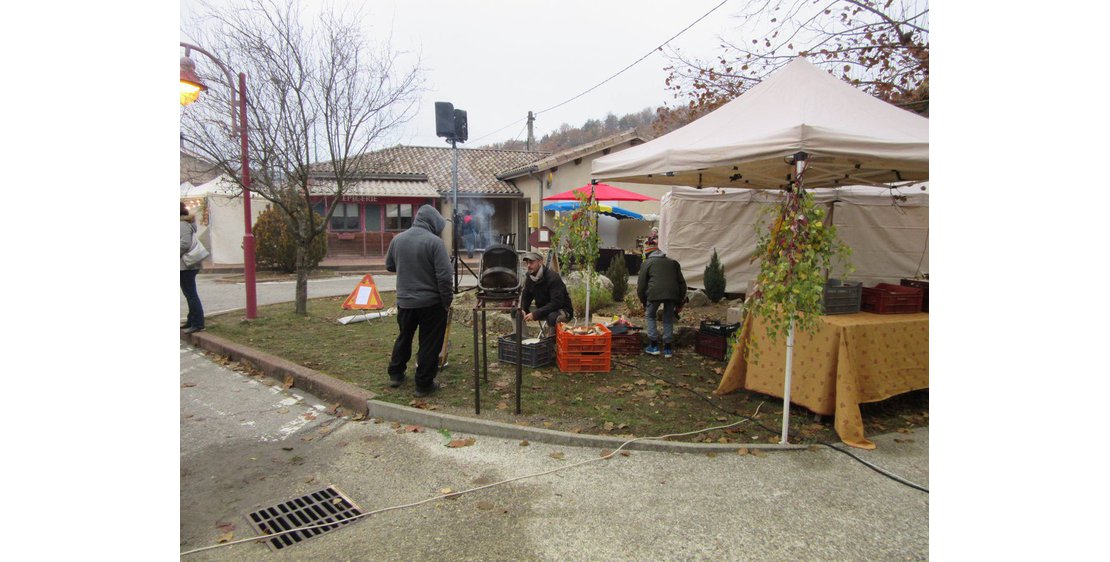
point(496, 303)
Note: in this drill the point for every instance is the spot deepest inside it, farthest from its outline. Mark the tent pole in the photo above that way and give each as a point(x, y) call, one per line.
point(799, 167)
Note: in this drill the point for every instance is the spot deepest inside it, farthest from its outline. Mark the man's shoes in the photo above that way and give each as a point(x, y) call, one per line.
point(427, 392)
point(185, 326)
point(652, 349)
point(194, 329)
point(667, 351)
point(396, 382)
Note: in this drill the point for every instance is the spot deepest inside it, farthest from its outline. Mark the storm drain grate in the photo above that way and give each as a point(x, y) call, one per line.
point(318, 508)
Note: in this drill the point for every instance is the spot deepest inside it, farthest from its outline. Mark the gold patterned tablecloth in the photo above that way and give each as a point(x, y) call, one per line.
point(848, 360)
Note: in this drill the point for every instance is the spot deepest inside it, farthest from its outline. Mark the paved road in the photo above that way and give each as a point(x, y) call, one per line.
point(247, 444)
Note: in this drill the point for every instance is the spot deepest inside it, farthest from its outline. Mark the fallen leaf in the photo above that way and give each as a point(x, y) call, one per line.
point(609, 426)
point(456, 443)
point(606, 453)
point(445, 491)
point(309, 416)
point(502, 405)
point(625, 453)
point(742, 451)
point(414, 429)
point(641, 382)
point(395, 425)
point(711, 454)
point(358, 417)
point(188, 385)
point(310, 479)
point(226, 537)
point(904, 430)
point(724, 440)
point(288, 382)
point(722, 418)
point(758, 453)
point(524, 443)
point(557, 455)
point(485, 505)
point(337, 501)
point(896, 440)
point(225, 526)
point(287, 448)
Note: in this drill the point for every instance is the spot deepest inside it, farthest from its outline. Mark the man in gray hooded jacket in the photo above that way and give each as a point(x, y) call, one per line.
point(419, 258)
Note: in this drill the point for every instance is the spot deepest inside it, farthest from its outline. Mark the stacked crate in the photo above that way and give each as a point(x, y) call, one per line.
point(628, 343)
point(886, 298)
point(583, 353)
point(841, 297)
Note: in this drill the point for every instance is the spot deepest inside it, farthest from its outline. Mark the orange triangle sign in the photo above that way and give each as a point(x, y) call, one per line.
point(365, 296)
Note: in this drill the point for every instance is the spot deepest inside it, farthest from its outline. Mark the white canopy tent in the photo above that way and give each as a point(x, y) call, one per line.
point(887, 229)
point(801, 118)
point(219, 204)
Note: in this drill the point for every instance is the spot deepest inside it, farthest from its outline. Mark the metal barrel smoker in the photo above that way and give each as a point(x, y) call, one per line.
point(500, 283)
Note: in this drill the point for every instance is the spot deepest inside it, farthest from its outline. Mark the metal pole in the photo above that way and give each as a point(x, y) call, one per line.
point(456, 228)
point(248, 236)
point(799, 163)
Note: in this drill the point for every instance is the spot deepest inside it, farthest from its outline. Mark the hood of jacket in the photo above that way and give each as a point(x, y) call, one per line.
point(428, 217)
point(191, 217)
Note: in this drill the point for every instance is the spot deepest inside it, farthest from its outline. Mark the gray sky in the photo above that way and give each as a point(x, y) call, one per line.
point(498, 59)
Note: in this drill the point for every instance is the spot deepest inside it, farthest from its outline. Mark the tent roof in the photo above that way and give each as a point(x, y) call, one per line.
point(850, 136)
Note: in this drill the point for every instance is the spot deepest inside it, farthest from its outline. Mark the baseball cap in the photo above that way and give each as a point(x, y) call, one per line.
point(531, 256)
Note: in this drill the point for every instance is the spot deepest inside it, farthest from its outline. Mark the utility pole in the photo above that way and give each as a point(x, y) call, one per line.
point(531, 139)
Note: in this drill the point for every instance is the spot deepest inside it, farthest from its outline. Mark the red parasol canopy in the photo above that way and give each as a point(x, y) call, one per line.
point(602, 192)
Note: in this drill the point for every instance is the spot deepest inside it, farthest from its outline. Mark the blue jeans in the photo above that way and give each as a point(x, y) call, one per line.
point(189, 289)
point(668, 320)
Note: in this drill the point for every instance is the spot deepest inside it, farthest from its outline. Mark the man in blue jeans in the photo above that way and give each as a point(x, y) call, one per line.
point(661, 284)
point(419, 258)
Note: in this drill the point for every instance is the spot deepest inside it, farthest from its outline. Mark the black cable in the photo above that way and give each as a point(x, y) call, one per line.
point(892, 476)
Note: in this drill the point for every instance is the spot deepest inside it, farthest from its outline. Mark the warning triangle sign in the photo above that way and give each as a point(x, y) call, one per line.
point(365, 296)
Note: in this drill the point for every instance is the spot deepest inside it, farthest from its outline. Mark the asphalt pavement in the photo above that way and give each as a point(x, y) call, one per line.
point(247, 443)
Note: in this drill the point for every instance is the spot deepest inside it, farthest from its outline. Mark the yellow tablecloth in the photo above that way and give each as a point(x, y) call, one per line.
point(848, 360)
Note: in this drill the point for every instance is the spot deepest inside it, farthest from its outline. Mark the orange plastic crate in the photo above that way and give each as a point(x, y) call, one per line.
point(567, 342)
point(570, 362)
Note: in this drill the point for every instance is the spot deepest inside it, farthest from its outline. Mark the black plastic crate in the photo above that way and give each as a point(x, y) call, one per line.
point(715, 328)
point(842, 297)
point(922, 284)
point(711, 346)
point(535, 354)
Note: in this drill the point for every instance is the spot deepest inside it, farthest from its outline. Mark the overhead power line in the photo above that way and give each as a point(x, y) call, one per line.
point(622, 71)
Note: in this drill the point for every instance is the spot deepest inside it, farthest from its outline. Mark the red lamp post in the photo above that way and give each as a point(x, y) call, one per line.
point(191, 87)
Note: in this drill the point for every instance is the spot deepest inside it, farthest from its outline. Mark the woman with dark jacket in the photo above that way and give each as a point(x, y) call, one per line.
point(195, 321)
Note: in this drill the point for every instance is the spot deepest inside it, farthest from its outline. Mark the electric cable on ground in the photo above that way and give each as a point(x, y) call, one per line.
point(870, 465)
point(460, 493)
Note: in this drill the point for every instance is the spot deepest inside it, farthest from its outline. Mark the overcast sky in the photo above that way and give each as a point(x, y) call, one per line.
point(498, 59)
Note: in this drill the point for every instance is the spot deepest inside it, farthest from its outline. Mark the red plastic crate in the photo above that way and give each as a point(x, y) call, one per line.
point(886, 298)
point(627, 344)
point(922, 284)
point(710, 345)
point(568, 342)
point(570, 362)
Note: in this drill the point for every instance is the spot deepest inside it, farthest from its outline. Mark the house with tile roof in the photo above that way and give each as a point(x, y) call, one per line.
point(501, 188)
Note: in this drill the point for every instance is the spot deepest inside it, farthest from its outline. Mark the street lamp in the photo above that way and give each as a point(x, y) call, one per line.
point(191, 88)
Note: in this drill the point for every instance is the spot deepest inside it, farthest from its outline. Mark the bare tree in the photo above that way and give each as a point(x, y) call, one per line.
point(882, 46)
point(319, 94)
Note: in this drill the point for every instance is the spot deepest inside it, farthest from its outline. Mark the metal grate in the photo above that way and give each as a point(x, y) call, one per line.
point(318, 508)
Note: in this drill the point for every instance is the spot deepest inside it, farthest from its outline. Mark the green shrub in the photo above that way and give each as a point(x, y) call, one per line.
point(276, 247)
point(715, 278)
point(618, 274)
point(600, 298)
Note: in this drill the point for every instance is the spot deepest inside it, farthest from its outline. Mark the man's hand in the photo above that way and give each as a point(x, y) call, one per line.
point(528, 317)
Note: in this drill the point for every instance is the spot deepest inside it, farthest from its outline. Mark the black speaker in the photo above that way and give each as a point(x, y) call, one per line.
point(445, 119)
point(460, 125)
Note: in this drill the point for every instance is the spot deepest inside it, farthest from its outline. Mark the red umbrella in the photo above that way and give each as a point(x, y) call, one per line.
point(602, 192)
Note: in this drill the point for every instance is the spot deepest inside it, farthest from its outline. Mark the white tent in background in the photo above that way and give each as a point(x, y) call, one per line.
point(801, 118)
point(219, 206)
point(887, 229)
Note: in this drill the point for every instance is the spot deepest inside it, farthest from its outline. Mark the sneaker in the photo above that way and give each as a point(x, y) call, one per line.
point(652, 349)
point(396, 382)
point(667, 351)
point(194, 329)
point(422, 393)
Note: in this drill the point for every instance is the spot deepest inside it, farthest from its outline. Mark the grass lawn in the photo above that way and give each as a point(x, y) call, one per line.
point(642, 395)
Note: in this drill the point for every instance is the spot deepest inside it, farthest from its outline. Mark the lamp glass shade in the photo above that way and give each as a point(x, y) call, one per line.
point(191, 84)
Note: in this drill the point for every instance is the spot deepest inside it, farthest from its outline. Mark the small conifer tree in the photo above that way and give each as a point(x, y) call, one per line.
point(618, 274)
point(715, 278)
point(277, 248)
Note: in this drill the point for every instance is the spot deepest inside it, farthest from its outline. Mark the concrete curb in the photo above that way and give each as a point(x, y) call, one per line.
point(362, 401)
point(322, 386)
point(436, 420)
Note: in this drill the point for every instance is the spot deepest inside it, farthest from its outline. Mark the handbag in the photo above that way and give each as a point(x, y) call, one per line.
point(196, 254)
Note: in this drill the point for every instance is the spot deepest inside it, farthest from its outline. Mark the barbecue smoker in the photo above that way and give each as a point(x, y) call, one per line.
point(499, 276)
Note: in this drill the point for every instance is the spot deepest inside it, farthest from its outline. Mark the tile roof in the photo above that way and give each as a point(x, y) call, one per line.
point(573, 153)
point(478, 168)
point(377, 188)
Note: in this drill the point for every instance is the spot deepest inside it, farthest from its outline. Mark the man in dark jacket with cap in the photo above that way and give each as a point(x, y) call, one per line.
point(419, 258)
point(548, 290)
point(661, 283)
